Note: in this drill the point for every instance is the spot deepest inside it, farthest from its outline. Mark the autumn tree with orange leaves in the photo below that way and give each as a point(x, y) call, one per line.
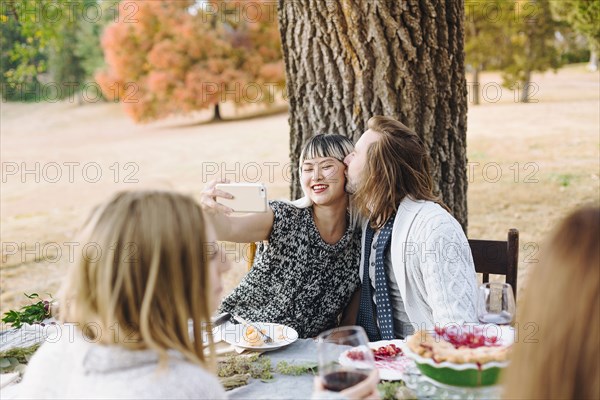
point(176, 57)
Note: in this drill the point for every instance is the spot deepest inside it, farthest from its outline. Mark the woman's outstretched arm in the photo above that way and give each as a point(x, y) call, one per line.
point(248, 228)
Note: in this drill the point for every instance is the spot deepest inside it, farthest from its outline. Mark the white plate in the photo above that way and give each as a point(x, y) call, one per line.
point(389, 370)
point(282, 335)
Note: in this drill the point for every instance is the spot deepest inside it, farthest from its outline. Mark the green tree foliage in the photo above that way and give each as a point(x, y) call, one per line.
point(64, 65)
point(482, 30)
point(531, 39)
point(88, 47)
point(584, 17)
point(35, 25)
point(51, 42)
point(482, 33)
point(17, 81)
point(572, 46)
point(517, 37)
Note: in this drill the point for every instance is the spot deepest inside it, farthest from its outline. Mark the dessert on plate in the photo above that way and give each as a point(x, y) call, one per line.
point(460, 356)
point(458, 346)
point(388, 357)
point(252, 337)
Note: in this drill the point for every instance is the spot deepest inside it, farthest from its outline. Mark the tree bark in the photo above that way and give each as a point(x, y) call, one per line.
point(526, 84)
point(217, 113)
point(475, 86)
point(348, 60)
point(593, 63)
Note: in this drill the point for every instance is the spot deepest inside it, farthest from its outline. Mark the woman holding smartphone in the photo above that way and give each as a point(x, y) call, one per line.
point(306, 267)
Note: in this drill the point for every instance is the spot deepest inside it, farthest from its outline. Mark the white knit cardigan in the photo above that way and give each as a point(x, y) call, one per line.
point(433, 265)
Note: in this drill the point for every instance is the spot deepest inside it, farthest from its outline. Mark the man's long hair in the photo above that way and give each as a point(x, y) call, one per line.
point(398, 165)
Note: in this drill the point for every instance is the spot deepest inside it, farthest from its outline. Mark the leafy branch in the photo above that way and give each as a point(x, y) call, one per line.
point(30, 314)
point(395, 390)
point(284, 368)
point(14, 360)
point(240, 368)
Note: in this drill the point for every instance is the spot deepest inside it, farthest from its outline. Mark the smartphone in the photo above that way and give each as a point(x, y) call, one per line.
point(247, 197)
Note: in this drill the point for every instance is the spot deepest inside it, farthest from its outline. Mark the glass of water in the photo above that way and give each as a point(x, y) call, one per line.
point(496, 303)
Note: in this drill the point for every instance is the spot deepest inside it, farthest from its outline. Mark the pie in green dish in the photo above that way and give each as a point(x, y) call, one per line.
point(466, 360)
point(468, 375)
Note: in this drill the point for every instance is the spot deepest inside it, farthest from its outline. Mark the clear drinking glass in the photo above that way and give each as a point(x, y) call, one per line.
point(345, 357)
point(496, 303)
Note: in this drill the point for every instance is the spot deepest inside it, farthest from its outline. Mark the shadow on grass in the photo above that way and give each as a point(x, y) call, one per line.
point(271, 111)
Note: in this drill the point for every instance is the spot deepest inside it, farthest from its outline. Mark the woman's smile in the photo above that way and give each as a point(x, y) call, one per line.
point(319, 188)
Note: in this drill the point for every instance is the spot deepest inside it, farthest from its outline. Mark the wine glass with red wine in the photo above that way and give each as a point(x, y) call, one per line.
point(496, 303)
point(345, 357)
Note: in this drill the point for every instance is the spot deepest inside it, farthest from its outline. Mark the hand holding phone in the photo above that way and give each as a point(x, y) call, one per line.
point(247, 197)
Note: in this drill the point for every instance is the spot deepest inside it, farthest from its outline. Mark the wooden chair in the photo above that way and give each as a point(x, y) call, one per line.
point(497, 257)
point(250, 253)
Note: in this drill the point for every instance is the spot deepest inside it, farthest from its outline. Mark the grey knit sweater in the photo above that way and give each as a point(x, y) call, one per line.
point(69, 367)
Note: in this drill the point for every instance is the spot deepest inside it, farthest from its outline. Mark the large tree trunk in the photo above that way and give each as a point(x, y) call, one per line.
point(526, 83)
point(475, 85)
point(348, 60)
point(217, 113)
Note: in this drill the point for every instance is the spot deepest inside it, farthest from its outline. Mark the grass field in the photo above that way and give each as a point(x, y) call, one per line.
point(529, 164)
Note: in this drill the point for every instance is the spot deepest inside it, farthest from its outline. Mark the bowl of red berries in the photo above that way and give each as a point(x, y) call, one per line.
point(389, 358)
point(468, 356)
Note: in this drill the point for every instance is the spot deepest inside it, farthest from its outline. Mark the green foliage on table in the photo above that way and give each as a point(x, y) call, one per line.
point(255, 366)
point(14, 360)
point(30, 314)
point(284, 368)
point(234, 381)
point(236, 370)
point(389, 390)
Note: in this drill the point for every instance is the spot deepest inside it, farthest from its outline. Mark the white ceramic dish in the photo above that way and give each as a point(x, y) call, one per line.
point(235, 334)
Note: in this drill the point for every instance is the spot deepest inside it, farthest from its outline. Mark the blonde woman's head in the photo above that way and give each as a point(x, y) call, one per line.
point(146, 272)
point(558, 350)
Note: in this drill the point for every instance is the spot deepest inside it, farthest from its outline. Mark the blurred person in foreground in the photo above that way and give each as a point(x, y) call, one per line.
point(562, 299)
point(124, 331)
point(416, 267)
point(139, 310)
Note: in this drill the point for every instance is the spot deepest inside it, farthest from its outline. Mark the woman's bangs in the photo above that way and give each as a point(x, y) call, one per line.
point(325, 147)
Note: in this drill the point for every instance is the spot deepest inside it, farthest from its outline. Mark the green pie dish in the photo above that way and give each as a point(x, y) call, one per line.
point(465, 375)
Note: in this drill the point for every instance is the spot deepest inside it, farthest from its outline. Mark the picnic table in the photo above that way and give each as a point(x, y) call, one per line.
point(300, 352)
point(304, 351)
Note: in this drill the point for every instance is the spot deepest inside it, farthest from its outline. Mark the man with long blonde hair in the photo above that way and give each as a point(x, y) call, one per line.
point(416, 268)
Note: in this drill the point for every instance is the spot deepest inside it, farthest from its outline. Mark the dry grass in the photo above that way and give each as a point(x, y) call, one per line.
point(548, 154)
point(552, 144)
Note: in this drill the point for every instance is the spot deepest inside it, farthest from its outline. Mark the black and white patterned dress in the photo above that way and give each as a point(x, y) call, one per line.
point(298, 279)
